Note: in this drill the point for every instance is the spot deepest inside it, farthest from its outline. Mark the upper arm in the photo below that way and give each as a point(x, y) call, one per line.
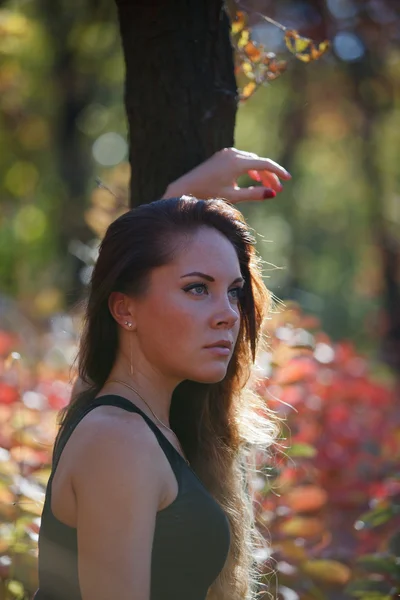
point(117, 487)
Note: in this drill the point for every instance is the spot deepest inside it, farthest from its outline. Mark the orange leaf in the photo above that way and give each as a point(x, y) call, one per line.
point(277, 66)
point(304, 48)
point(252, 51)
point(306, 498)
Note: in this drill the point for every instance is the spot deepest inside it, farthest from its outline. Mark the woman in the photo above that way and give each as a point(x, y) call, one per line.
point(147, 494)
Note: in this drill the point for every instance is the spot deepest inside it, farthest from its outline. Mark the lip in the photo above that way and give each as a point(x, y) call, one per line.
point(219, 350)
point(226, 344)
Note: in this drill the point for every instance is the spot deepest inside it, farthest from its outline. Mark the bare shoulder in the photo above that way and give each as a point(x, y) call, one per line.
point(117, 481)
point(109, 418)
point(118, 436)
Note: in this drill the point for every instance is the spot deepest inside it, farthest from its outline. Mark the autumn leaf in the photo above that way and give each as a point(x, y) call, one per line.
point(327, 571)
point(304, 527)
point(306, 498)
point(252, 51)
point(298, 369)
point(8, 393)
point(244, 38)
point(275, 66)
point(7, 342)
point(247, 69)
point(248, 90)
point(292, 551)
point(302, 450)
point(304, 48)
point(239, 23)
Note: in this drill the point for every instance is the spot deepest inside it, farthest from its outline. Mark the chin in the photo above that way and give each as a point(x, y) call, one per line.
point(210, 376)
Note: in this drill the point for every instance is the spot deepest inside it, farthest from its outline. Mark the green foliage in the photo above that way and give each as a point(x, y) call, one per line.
point(320, 233)
point(378, 573)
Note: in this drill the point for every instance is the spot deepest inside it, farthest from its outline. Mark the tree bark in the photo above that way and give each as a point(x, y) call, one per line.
point(362, 73)
point(180, 90)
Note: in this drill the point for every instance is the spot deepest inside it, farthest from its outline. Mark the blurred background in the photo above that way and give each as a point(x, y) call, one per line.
point(333, 234)
point(330, 241)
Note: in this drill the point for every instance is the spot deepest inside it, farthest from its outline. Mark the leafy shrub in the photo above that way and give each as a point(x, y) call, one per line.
point(340, 446)
point(338, 458)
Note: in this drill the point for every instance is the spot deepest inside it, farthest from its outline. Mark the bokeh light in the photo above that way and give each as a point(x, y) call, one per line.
point(109, 149)
point(348, 46)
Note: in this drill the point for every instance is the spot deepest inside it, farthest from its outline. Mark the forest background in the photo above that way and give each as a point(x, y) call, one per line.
point(331, 239)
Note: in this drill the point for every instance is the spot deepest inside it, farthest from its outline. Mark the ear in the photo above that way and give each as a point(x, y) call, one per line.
point(122, 308)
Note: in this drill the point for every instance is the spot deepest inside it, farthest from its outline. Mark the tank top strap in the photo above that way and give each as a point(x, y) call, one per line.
point(120, 402)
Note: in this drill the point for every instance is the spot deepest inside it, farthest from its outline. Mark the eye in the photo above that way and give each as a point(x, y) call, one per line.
point(196, 286)
point(238, 293)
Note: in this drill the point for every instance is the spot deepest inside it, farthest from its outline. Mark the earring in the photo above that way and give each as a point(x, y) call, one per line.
point(130, 346)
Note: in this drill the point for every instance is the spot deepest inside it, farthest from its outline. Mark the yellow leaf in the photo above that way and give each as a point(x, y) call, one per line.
point(304, 48)
point(244, 38)
point(248, 90)
point(327, 571)
point(292, 551)
point(48, 301)
point(42, 475)
point(304, 527)
point(30, 507)
point(247, 68)
point(239, 23)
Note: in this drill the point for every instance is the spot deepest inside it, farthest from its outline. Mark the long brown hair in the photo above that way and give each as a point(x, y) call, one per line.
point(216, 423)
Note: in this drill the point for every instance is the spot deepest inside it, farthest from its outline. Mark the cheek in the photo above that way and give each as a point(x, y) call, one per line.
point(171, 321)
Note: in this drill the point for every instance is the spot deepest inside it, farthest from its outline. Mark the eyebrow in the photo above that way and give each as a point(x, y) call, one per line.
point(209, 278)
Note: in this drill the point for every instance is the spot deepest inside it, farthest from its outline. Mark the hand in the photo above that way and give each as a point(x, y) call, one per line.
point(216, 178)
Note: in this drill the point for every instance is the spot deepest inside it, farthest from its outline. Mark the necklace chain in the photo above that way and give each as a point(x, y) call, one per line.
point(152, 412)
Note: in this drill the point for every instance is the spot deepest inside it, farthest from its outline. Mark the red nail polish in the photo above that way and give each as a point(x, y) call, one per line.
point(268, 193)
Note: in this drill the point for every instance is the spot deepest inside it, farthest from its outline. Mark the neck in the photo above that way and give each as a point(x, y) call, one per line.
point(153, 392)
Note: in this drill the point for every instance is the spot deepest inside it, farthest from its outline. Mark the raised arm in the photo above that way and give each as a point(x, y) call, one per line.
point(216, 177)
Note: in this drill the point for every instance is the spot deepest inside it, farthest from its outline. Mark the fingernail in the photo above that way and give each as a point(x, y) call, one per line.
point(268, 193)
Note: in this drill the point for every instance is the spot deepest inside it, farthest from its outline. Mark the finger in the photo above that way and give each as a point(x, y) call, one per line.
point(255, 175)
point(270, 180)
point(248, 194)
point(265, 164)
point(267, 179)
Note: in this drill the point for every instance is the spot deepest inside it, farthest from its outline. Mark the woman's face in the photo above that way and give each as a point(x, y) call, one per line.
point(191, 303)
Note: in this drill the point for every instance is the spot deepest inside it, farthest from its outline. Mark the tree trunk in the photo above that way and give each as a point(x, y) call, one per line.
point(180, 91)
point(362, 74)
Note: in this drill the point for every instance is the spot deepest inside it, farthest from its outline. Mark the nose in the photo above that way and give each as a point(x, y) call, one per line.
point(227, 317)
